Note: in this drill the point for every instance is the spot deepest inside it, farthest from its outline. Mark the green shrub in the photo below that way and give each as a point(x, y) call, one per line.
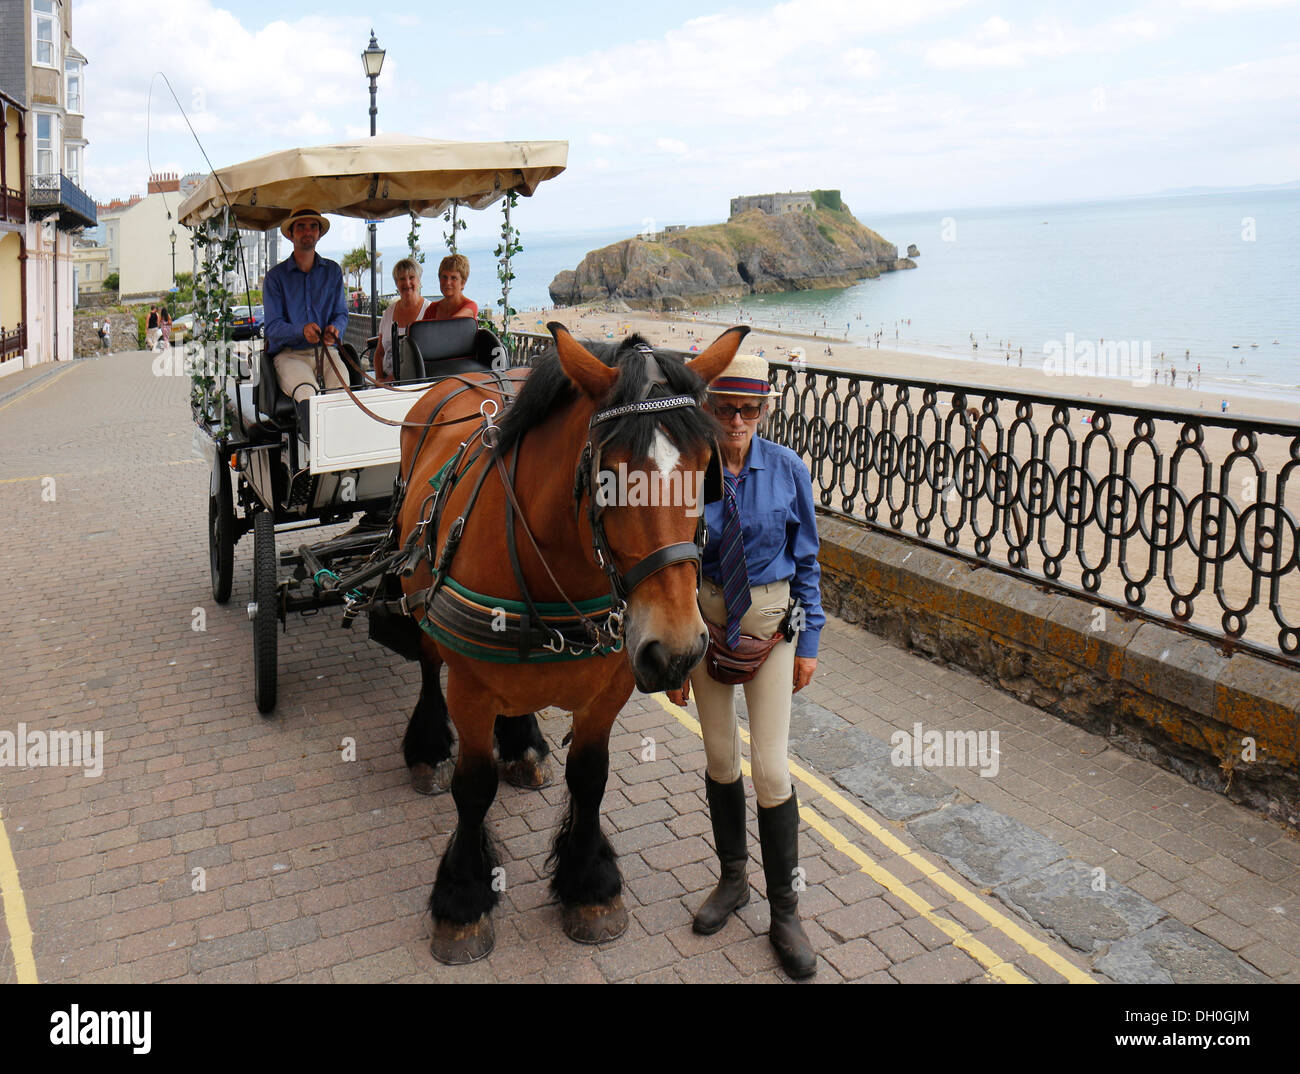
point(112, 281)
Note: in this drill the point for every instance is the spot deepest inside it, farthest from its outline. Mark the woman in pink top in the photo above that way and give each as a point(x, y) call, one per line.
point(453, 274)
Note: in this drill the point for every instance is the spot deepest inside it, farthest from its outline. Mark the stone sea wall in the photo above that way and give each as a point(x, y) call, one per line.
point(1230, 723)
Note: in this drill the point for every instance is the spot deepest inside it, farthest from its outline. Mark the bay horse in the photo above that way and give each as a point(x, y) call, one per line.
point(613, 583)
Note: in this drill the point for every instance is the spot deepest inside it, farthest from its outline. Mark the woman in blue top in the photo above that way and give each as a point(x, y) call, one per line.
point(746, 587)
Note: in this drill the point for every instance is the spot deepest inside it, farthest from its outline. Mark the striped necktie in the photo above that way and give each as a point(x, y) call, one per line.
point(735, 576)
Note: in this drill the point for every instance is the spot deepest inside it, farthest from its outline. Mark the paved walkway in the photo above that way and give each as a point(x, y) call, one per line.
point(221, 846)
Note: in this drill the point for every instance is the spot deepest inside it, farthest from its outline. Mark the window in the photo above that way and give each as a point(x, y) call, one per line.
point(72, 163)
point(45, 25)
point(74, 86)
point(44, 144)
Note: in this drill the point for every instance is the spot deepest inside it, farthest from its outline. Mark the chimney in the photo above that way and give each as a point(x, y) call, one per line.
point(164, 182)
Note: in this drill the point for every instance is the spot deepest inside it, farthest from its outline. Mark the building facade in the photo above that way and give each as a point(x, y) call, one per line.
point(42, 71)
point(138, 234)
point(773, 204)
point(13, 233)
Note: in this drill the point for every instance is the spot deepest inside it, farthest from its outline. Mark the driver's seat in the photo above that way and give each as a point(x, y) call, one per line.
point(276, 407)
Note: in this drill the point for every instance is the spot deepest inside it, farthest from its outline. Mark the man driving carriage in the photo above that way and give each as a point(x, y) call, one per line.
point(305, 307)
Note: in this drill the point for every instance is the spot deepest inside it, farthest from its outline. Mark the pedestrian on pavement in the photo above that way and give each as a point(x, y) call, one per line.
point(761, 552)
point(106, 332)
point(151, 329)
point(165, 328)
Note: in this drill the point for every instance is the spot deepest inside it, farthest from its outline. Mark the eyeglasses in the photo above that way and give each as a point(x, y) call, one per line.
point(750, 411)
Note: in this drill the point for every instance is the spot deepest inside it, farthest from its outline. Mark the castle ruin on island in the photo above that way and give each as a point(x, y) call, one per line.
point(773, 204)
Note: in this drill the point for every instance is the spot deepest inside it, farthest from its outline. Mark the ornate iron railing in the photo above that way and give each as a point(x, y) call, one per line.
point(1182, 516)
point(57, 193)
point(12, 342)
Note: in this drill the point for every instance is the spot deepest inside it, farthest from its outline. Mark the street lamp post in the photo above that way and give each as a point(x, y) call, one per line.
point(173, 238)
point(372, 59)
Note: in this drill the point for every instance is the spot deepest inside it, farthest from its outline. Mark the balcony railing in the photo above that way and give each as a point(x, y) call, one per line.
point(1183, 517)
point(49, 194)
point(13, 341)
point(13, 206)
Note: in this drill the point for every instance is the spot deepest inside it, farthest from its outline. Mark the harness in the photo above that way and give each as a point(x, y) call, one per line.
point(524, 630)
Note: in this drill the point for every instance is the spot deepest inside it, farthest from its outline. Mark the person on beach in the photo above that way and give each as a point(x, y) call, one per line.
point(305, 308)
point(453, 275)
point(410, 306)
point(761, 551)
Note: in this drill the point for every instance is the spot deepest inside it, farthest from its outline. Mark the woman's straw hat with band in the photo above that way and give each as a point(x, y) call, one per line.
point(746, 375)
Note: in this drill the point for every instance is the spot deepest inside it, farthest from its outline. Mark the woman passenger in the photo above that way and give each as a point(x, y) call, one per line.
point(410, 306)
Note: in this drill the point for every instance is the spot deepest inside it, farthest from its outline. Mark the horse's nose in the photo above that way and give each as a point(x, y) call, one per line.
point(657, 667)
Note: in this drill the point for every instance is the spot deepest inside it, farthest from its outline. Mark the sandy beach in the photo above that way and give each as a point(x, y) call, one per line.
point(681, 330)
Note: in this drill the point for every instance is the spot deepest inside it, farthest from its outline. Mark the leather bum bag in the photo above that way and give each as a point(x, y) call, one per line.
point(731, 667)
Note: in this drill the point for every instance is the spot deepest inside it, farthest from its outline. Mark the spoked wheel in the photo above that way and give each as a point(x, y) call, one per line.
point(264, 611)
point(221, 534)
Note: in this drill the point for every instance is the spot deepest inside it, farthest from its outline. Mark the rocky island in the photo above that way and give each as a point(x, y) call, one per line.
point(770, 243)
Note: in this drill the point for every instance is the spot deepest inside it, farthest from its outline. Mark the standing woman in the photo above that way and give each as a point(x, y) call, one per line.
point(453, 275)
point(165, 327)
point(761, 552)
point(410, 306)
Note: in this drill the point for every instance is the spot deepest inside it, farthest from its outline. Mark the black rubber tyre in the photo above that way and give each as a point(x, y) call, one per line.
point(266, 621)
point(221, 536)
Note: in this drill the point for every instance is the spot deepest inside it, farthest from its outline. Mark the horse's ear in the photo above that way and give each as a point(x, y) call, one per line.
point(592, 376)
point(717, 356)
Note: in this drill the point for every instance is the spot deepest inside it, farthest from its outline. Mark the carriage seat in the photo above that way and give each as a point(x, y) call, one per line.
point(432, 349)
point(277, 408)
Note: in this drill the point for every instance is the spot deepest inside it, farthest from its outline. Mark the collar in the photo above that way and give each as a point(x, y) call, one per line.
point(758, 459)
point(293, 264)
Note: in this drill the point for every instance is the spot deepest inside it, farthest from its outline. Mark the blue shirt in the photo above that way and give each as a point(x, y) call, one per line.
point(779, 528)
point(292, 298)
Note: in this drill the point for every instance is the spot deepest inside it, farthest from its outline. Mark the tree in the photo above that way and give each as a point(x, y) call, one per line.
point(112, 281)
point(354, 263)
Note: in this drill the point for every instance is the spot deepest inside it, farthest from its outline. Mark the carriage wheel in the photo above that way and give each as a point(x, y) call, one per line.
point(221, 536)
point(266, 618)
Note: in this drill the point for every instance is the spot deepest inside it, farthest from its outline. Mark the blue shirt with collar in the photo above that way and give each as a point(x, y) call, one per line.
point(293, 298)
point(779, 527)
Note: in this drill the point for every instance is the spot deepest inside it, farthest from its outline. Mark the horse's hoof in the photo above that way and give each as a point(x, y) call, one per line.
point(431, 779)
point(596, 924)
point(459, 945)
point(530, 772)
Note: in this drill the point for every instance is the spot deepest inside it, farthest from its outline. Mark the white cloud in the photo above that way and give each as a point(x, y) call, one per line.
point(672, 145)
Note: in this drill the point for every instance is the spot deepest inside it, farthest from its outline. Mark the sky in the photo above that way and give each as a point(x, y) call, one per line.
point(672, 108)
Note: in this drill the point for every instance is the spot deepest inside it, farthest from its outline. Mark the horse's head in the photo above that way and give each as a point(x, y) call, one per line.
point(650, 448)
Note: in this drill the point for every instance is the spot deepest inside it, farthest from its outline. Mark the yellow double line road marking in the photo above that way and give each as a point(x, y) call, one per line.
point(961, 937)
point(15, 908)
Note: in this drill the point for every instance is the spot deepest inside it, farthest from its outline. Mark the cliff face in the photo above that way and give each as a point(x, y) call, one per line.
point(753, 253)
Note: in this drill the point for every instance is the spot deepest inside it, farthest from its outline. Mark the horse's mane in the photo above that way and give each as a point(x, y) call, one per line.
point(548, 389)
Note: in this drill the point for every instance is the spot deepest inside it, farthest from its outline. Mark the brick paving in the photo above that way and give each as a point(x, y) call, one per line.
point(219, 845)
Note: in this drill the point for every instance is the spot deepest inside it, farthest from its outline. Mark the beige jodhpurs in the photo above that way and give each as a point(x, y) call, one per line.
point(296, 370)
point(767, 697)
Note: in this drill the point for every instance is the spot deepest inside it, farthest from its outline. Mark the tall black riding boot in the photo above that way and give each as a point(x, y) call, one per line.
point(727, 812)
point(778, 834)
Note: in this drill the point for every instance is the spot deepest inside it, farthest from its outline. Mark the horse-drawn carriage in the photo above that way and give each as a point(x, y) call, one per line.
point(266, 471)
point(505, 561)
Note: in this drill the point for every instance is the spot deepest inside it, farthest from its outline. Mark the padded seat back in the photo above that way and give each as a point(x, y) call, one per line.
point(435, 348)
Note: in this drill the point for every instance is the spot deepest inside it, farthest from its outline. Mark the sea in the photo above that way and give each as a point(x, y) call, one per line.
point(1208, 283)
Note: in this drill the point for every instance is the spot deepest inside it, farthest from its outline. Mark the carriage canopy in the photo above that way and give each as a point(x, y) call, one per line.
point(374, 178)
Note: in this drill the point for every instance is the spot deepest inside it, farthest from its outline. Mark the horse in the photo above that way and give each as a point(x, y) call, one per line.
point(589, 604)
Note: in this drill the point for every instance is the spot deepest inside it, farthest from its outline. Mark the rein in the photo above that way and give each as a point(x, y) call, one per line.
point(572, 629)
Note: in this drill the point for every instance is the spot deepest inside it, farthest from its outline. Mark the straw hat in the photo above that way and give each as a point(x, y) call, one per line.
point(746, 375)
point(305, 213)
